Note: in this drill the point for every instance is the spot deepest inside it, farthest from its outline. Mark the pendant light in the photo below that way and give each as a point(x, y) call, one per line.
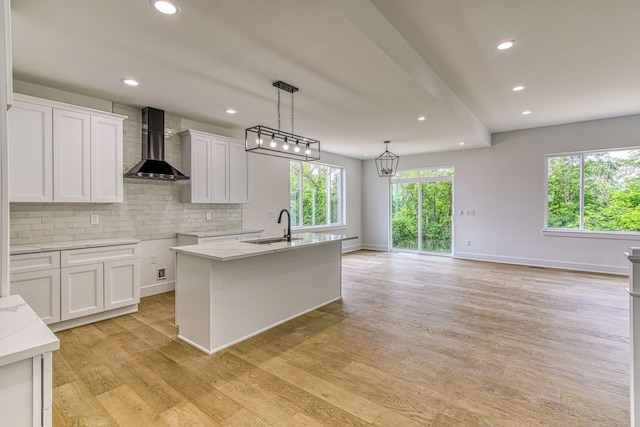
point(280, 141)
point(387, 162)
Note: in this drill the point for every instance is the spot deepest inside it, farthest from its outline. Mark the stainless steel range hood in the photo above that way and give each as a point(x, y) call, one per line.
point(153, 165)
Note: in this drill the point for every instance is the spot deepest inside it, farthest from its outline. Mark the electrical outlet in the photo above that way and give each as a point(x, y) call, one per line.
point(162, 273)
point(95, 219)
point(152, 259)
point(468, 242)
point(208, 215)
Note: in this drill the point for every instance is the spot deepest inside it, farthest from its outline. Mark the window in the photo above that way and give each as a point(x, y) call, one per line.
point(317, 194)
point(594, 191)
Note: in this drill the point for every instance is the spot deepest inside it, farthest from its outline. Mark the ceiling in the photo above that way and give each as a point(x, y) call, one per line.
point(366, 69)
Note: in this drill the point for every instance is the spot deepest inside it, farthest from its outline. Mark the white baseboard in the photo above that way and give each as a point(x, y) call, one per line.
point(157, 288)
point(350, 248)
point(382, 248)
point(533, 262)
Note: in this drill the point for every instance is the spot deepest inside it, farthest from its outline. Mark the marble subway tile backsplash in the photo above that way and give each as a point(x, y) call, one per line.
point(151, 209)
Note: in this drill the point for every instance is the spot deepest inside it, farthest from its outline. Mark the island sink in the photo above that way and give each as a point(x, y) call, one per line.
point(269, 240)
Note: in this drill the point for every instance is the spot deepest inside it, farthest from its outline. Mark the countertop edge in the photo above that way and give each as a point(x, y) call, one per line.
point(26, 341)
point(202, 251)
point(69, 245)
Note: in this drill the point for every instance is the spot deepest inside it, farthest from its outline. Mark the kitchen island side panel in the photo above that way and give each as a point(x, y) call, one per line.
point(253, 294)
point(192, 300)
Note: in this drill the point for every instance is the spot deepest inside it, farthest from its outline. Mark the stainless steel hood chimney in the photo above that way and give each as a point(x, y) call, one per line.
point(153, 165)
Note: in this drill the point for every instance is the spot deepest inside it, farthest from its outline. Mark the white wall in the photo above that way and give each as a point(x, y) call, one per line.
point(504, 185)
point(269, 192)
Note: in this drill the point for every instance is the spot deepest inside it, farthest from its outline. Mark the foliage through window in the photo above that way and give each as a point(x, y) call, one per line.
point(316, 194)
point(421, 209)
point(595, 191)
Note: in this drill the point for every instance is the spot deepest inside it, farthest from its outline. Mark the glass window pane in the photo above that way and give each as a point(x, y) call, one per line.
point(404, 216)
point(563, 192)
point(314, 198)
point(294, 192)
point(335, 207)
point(316, 194)
point(425, 173)
point(436, 216)
point(611, 191)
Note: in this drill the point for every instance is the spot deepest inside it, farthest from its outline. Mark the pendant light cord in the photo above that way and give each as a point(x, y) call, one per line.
point(292, 132)
point(278, 109)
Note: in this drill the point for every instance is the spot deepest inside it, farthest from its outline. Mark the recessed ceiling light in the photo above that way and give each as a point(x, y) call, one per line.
point(518, 88)
point(231, 111)
point(461, 143)
point(129, 82)
point(506, 44)
point(422, 118)
point(526, 112)
point(165, 6)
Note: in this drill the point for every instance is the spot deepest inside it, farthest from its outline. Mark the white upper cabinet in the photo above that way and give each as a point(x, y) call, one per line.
point(30, 153)
point(71, 156)
point(62, 153)
point(217, 166)
point(106, 159)
point(220, 170)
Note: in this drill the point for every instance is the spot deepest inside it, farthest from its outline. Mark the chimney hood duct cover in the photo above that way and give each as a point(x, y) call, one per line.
point(153, 165)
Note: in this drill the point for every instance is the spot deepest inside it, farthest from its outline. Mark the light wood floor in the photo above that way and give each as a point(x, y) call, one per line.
point(416, 341)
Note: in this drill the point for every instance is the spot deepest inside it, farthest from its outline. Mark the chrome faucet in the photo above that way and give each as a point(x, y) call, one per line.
point(287, 232)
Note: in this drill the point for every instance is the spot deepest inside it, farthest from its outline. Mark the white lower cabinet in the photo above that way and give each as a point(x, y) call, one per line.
point(41, 290)
point(81, 290)
point(73, 284)
point(121, 283)
point(36, 278)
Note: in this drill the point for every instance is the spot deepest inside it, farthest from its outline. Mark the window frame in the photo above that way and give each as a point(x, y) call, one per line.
point(580, 232)
point(342, 199)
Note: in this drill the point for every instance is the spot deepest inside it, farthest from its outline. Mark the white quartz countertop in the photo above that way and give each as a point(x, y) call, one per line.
point(216, 233)
point(22, 333)
point(72, 244)
point(227, 250)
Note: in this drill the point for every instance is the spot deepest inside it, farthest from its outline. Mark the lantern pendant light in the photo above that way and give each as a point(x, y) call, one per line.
point(387, 162)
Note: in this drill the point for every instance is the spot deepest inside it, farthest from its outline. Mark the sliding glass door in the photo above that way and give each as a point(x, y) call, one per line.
point(421, 211)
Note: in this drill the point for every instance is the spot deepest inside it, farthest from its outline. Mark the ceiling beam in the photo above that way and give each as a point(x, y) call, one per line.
point(373, 25)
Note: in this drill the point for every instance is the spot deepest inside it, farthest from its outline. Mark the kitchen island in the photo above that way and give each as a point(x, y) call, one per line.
point(231, 290)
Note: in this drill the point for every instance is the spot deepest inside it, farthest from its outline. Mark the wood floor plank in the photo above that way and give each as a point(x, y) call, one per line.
point(186, 414)
point(415, 341)
point(127, 408)
point(77, 406)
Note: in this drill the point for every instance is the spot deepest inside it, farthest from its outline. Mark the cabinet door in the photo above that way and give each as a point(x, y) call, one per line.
point(220, 171)
point(106, 160)
point(200, 173)
point(30, 153)
point(81, 290)
point(41, 290)
point(121, 283)
point(71, 156)
point(238, 182)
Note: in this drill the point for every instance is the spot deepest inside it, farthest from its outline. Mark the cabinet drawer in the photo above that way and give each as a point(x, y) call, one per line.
point(41, 290)
point(103, 254)
point(24, 263)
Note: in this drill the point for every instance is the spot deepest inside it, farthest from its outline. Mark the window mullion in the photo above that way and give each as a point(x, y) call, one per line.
point(581, 191)
point(300, 194)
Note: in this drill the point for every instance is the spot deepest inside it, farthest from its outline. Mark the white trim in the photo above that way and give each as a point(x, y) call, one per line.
point(533, 262)
point(85, 320)
point(381, 248)
point(611, 235)
point(157, 288)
